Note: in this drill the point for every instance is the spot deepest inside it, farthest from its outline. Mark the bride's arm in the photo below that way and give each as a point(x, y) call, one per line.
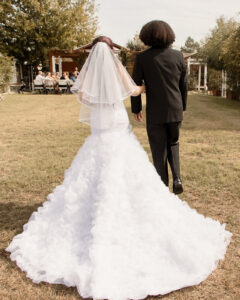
point(127, 81)
point(140, 89)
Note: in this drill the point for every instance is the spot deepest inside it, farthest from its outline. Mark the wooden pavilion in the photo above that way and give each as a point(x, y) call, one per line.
point(66, 60)
point(194, 64)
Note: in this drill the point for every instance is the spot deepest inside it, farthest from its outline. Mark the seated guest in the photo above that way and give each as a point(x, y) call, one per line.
point(64, 76)
point(67, 76)
point(40, 77)
point(75, 74)
point(49, 76)
point(22, 87)
point(57, 76)
point(72, 77)
point(76, 70)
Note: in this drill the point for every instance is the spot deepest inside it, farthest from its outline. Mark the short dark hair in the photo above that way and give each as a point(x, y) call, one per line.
point(104, 39)
point(157, 34)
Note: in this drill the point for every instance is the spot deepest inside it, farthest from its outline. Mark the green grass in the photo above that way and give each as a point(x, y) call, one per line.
point(40, 136)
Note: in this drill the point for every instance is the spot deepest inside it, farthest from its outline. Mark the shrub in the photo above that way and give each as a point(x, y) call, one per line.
point(214, 80)
point(192, 82)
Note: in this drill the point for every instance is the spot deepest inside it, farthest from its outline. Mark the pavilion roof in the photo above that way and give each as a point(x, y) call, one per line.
point(85, 48)
point(116, 47)
point(187, 55)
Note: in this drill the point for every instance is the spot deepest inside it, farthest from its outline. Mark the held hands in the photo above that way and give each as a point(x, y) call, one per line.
point(143, 88)
point(139, 117)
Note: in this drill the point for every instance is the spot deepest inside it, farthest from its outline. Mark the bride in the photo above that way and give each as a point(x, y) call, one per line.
point(112, 228)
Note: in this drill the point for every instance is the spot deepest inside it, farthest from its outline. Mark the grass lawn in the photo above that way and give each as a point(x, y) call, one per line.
point(40, 136)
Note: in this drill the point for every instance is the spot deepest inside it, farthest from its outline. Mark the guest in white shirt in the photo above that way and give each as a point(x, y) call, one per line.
point(49, 76)
point(40, 77)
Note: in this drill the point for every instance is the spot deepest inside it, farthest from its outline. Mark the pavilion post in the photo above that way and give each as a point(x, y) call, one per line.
point(224, 84)
point(188, 65)
point(205, 78)
point(53, 64)
point(199, 76)
point(32, 77)
point(60, 65)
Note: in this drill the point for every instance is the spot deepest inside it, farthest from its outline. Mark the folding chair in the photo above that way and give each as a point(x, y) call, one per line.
point(49, 85)
point(38, 86)
point(63, 85)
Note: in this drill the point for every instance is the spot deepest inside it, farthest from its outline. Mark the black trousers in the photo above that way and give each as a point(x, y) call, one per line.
point(163, 140)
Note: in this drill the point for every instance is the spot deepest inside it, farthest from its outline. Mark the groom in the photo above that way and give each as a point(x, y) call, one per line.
point(163, 71)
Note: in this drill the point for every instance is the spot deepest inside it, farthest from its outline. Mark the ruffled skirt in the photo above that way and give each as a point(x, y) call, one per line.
point(114, 230)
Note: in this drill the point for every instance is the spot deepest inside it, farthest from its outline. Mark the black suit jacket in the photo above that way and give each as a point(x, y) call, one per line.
point(164, 74)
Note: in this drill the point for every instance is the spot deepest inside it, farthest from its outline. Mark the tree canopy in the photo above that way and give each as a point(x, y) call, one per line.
point(231, 54)
point(190, 46)
point(136, 44)
point(29, 28)
point(221, 50)
point(218, 42)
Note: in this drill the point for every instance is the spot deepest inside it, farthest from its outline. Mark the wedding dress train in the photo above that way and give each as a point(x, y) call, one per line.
point(113, 229)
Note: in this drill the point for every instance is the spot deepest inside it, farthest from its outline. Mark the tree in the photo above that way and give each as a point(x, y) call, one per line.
point(221, 50)
point(190, 46)
point(6, 71)
point(214, 80)
point(136, 44)
point(29, 28)
point(231, 56)
point(212, 49)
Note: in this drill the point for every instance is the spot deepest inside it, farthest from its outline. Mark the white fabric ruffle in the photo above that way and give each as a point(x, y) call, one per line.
point(114, 230)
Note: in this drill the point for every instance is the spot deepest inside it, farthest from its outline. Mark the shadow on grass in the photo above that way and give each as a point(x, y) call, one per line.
point(13, 216)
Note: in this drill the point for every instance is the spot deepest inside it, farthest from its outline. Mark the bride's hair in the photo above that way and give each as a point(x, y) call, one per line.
point(104, 39)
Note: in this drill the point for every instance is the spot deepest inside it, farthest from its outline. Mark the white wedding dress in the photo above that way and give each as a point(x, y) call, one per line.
point(113, 229)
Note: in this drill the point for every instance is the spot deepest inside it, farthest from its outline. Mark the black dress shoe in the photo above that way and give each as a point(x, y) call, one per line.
point(177, 186)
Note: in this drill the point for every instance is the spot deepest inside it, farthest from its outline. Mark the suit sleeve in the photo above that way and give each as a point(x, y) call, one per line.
point(183, 84)
point(136, 101)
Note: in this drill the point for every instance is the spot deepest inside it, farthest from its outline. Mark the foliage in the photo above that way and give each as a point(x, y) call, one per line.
point(214, 44)
point(214, 79)
point(125, 57)
point(80, 60)
point(190, 46)
point(29, 28)
point(231, 55)
point(136, 44)
point(192, 81)
point(6, 71)
point(221, 50)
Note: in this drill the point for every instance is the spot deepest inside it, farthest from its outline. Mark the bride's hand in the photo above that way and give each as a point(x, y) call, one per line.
point(140, 89)
point(143, 88)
